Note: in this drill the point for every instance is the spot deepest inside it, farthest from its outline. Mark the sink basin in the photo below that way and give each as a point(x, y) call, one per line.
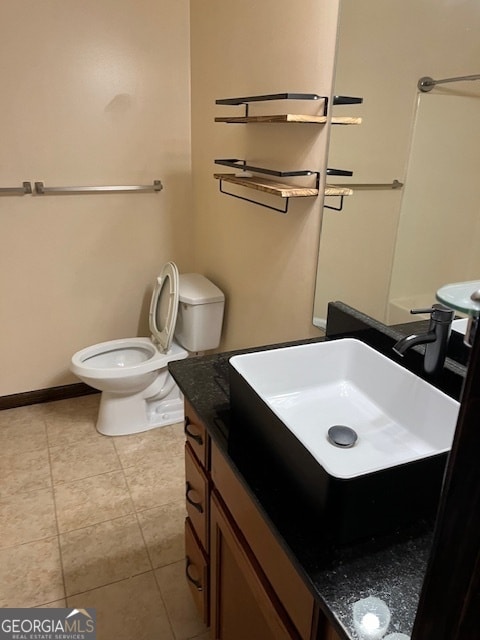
point(285, 400)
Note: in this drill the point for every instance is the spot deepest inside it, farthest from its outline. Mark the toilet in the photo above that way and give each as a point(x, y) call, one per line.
point(138, 393)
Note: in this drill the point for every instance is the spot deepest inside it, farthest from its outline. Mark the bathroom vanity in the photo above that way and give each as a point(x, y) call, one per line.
point(256, 567)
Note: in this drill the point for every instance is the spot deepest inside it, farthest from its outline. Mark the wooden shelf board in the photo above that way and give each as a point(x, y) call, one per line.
point(268, 186)
point(346, 120)
point(332, 190)
point(289, 117)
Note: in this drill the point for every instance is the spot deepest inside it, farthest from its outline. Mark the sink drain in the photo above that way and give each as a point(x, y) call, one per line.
point(342, 436)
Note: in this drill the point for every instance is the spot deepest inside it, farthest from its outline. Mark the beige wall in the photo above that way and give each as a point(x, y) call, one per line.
point(264, 261)
point(93, 93)
point(99, 93)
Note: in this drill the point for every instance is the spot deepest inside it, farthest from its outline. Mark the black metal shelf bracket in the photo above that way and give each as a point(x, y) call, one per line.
point(241, 165)
point(339, 208)
point(337, 172)
point(274, 96)
point(336, 100)
point(261, 204)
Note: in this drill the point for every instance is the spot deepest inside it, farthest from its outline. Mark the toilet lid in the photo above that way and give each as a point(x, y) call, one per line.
point(164, 307)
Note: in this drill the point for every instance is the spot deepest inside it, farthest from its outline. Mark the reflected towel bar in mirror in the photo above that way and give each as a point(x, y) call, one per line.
point(395, 184)
point(41, 189)
point(25, 189)
point(335, 189)
point(426, 83)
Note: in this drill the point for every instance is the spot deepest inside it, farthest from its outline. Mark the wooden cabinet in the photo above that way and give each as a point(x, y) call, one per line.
point(291, 591)
point(243, 603)
point(242, 581)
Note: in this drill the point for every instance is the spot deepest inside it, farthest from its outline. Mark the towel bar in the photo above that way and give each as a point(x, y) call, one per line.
point(41, 189)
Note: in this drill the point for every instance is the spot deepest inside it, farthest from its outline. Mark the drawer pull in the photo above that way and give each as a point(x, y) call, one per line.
point(189, 434)
point(198, 505)
point(196, 583)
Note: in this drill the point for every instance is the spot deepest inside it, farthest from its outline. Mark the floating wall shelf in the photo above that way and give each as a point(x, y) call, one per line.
point(289, 117)
point(335, 190)
point(265, 185)
point(243, 177)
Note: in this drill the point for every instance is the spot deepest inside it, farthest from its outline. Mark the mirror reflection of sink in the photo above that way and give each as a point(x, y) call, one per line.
point(460, 325)
point(285, 401)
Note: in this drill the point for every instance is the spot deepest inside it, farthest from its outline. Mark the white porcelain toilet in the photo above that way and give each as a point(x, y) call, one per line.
point(138, 393)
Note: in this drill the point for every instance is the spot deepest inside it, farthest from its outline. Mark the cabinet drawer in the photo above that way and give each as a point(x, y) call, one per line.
point(196, 435)
point(286, 582)
point(196, 571)
point(196, 495)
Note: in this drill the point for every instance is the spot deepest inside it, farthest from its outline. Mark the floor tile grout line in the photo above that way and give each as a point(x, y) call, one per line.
point(94, 524)
point(107, 584)
point(162, 598)
point(56, 518)
point(149, 555)
point(27, 542)
point(103, 473)
point(22, 492)
point(177, 501)
point(170, 457)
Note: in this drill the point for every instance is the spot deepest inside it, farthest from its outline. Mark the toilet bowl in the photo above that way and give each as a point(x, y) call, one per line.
point(138, 392)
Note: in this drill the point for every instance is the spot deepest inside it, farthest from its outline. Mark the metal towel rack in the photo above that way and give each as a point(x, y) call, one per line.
point(426, 83)
point(363, 186)
point(42, 190)
point(25, 189)
point(395, 184)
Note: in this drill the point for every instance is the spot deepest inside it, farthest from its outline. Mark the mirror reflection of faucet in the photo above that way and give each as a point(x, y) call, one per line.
point(435, 339)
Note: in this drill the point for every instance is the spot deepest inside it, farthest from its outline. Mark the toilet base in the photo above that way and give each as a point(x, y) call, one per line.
point(121, 415)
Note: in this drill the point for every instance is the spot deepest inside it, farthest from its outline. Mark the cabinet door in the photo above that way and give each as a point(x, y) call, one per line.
point(243, 605)
point(331, 634)
point(291, 591)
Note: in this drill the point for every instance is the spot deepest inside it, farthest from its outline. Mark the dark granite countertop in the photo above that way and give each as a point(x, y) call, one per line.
point(391, 567)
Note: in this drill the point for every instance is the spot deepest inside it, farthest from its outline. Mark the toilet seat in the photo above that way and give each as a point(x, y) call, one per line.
point(164, 307)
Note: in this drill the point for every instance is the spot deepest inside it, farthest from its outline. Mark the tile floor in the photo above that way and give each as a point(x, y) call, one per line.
point(92, 521)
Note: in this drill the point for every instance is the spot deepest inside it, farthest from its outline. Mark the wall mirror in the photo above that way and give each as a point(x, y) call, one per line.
point(389, 249)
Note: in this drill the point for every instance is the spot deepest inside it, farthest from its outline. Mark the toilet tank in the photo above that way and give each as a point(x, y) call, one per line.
point(200, 313)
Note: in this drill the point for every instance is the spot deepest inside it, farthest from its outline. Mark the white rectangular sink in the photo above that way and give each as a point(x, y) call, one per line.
point(284, 401)
point(397, 416)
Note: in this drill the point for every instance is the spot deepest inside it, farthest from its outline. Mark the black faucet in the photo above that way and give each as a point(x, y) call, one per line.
point(435, 339)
